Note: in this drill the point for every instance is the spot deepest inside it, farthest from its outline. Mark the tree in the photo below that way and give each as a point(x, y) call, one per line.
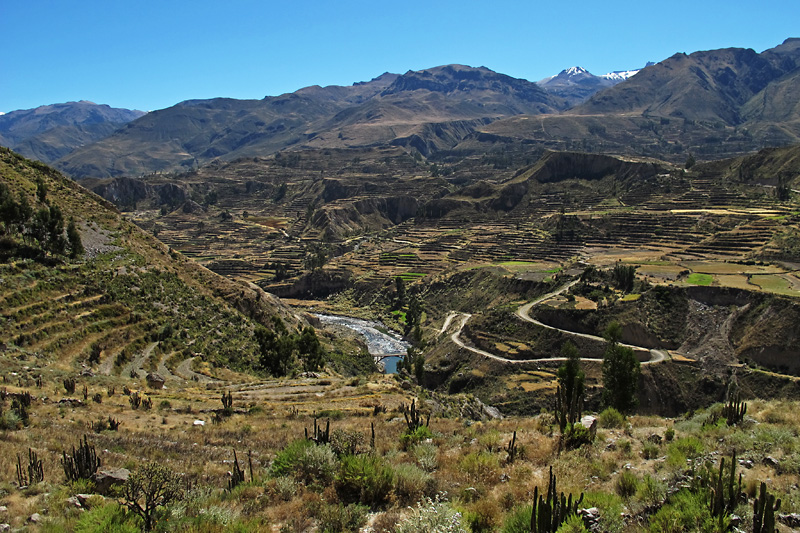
point(690, 161)
point(621, 371)
point(48, 230)
point(624, 276)
point(400, 291)
point(74, 239)
point(310, 349)
point(570, 387)
point(41, 190)
point(276, 348)
point(151, 486)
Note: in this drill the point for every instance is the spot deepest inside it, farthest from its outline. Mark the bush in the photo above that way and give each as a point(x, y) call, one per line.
point(364, 479)
point(482, 464)
point(684, 512)
point(576, 436)
point(626, 484)
point(111, 517)
point(651, 491)
point(286, 461)
point(317, 464)
point(432, 516)
point(346, 442)
point(426, 455)
point(573, 524)
point(611, 418)
point(669, 434)
point(410, 483)
point(650, 450)
point(411, 437)
point(339, 518)
point(483, 516)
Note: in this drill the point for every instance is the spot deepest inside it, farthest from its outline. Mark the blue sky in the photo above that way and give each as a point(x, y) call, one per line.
point(152, 54)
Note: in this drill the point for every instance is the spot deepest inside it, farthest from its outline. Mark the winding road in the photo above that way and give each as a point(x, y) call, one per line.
point(523, 312)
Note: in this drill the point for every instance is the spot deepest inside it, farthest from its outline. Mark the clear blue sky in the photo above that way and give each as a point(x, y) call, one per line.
point(152, 54)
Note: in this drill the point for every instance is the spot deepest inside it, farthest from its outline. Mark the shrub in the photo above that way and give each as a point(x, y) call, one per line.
point(283, 488)
point(286, 460)
point(410, 437)
point(483, 517)
point(111, 517)
point(573, 524)
point(364, 479)
point(482, 464)
point(651, 491)
point(650, 450)
point(149, 487)
point(410, 483)
point(610, 507)
point(626, 484)
point(340, 518)
point(426, 455)
point(685, 511)
point(432, 516)
point(346, 442)
point(611, 418)
point(317, 464)
point(576, 436)
point(669, 434)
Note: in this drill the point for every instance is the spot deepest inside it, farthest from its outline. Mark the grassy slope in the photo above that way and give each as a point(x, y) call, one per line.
point(126, 288)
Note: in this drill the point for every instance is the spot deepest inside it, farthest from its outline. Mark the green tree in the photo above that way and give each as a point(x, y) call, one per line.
point(311, 352)
point(276, 348)
point(621, 371)
point(570, 386)
point(149, 487)
point(41, 190)
point(624, 276)
point(74, 240)
point(400, 292)
point(48, 230)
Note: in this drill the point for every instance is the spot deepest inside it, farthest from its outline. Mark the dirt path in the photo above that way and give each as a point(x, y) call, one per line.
point(164, 371)
point(138, 362)
point(185, 371)
point(523, 312)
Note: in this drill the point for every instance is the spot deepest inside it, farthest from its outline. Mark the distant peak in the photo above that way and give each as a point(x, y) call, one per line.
point(574, 71)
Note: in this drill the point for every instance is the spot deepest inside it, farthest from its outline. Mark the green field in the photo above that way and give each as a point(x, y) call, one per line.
point(700, 279)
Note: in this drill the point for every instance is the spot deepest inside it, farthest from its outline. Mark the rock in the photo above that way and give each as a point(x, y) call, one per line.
point(199, 423)
point(590, 422)
point(84, 499)
point(655, 439)
point(87, 373)
point(71, 402)
point(155, 381)
point(492, 412)
point(406, 385)
point(3, 509)
point(35, 518)
point(792, 520)
point(5, 527)
point(73, 501)
point(105, 478)
point(771, 461)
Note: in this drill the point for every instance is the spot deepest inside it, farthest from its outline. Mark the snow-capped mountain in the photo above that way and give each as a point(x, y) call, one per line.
point(576, 84)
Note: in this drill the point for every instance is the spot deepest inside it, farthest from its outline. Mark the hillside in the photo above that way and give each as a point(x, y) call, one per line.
point(443, 103)
point(50, 132)
point(127, 305)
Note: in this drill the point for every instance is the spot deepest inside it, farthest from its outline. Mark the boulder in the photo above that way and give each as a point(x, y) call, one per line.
point(155, 381)
point(105, 478)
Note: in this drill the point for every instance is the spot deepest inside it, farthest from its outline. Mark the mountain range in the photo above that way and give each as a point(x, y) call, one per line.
point(717, 103)
point(50, 132)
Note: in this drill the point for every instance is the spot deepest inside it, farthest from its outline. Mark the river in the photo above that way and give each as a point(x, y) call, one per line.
point(379, 344)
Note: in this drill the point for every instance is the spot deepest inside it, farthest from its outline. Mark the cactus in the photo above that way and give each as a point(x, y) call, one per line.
point(237, 475)
point(227, 401)
point(372, 438)
point(35, 473)
point(135, 400)
point(319, 436)
point(764, 508)
point(83, 462)
point(413, 417)
point(568, 410)
point(734, 411)
point(724, 494)
point(548, 514)
point(69, 385)
point(511, 449)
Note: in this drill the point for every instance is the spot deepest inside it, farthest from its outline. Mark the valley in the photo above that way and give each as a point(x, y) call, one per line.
point(601, 285)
